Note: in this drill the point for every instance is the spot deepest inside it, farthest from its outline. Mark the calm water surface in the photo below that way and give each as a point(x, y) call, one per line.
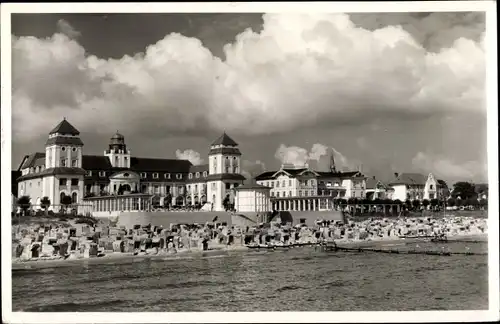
point(300, 279)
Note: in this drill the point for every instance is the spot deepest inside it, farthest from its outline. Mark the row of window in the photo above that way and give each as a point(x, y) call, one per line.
point(64, 182)
point(277, 183)
point(38, 169)
point(64, 148)
point(195, 188)
point(197, 175)
point(74, 163)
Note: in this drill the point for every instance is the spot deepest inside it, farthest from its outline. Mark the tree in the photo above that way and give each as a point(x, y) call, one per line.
point(451, 202)
point(66, 201)
point(24, 202)
point(434, 203)
point(167, 202)
point(225, 203)
point(425, 203)
point(464, 190)
point(416, 203)
point(408, 204)
point(45, 204)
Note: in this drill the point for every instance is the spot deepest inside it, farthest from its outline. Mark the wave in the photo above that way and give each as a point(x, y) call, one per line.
point(74, 307)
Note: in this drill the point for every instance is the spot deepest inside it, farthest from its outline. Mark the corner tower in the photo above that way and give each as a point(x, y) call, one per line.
point(224, 171)
point(117, 152)
point(64, 174)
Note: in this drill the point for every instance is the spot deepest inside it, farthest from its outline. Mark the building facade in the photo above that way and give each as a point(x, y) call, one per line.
point(415, 186)
point(301, 189)
point(100, 180)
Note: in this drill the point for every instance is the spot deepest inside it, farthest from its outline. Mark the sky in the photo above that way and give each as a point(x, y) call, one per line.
point(387, 92)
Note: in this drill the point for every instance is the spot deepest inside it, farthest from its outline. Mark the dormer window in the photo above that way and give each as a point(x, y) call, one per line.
point(155, 175)
point(204, 174)
point(63, 148)
point(167, 175)
point(190, 176)
point(143, 175)
point(63, 162)
point(102, 174)
point(89, 173)
point(178, 176)
point(197, 174)
point(74, 149)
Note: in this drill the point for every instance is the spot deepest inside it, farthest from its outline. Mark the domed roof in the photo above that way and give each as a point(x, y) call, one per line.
point(118, 136)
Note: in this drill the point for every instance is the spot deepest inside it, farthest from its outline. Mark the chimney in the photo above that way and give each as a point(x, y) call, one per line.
point(396, 174)
point(373, 177)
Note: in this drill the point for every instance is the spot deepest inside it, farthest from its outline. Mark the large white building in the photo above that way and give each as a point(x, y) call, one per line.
point(117, 181)
point(302, 188)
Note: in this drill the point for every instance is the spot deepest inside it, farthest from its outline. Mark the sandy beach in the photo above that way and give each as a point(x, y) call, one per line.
point(217, 250)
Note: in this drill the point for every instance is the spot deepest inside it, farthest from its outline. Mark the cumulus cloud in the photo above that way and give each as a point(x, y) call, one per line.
point(190, 155)
point(65, 28)
point(448, 169)
point(251, 169)
point(300, 70)
point(317, 157)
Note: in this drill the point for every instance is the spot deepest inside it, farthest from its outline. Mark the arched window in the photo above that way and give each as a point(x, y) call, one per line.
point(197, 174)
point(190, 176)
point(74, 197)
point(61, 196)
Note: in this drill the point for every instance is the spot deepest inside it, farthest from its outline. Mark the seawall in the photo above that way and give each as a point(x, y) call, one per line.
point(129, 219)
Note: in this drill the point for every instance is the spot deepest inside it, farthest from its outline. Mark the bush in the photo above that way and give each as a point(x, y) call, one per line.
point(88, 221)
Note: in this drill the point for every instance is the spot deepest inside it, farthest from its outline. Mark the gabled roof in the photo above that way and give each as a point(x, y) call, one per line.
point(339, 174)
point(96, 162)
point(372, 183)
point(225, 140)
point(198, 168)
point(64, 127)
point(410, 179)
point(32, 159)
point(167, 165)
point(265, 176)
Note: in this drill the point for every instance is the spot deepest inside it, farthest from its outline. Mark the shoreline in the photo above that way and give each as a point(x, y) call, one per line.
point(216, 251)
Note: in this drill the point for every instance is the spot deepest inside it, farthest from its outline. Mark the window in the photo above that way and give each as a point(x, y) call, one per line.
point(305, 193)
point(284, 193)
point(178, 176)
point(290, 183)
point(74, 163)
point(312, 192)
point(431, 187)
point(116, 160)
point(228, 186)
point(305, 182)
point(189, 188)
point(277, 195)
point(190, 176)
point(283, 184)
point(62, 182)
point(289, 194)
point(236, 185)
point(89, 173)
point(74, 182)
point(74, 149)
point(102, 173)
point(195, 188)
point(312, 182)
point(321, 182)
point(167, 175)
point(272, 184)
point(155, 175)
point(39, 183)
point(125, 174)
point(63, 149)
point(277, 184)
point(431, 196)
point(215, 165)
point(197, 174)
point(157, 189)
point(143, 175)
point(204, 173)
point(63, 162)
point(300, 193)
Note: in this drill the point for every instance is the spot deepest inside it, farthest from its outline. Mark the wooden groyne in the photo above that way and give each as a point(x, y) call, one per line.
point(426, 252)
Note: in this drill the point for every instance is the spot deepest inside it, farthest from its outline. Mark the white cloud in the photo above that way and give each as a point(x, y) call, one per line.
point(444, 167)
point(65, 28)
point(251, 169)
point(190, 155)
point(299, 71)
point(319, 154)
